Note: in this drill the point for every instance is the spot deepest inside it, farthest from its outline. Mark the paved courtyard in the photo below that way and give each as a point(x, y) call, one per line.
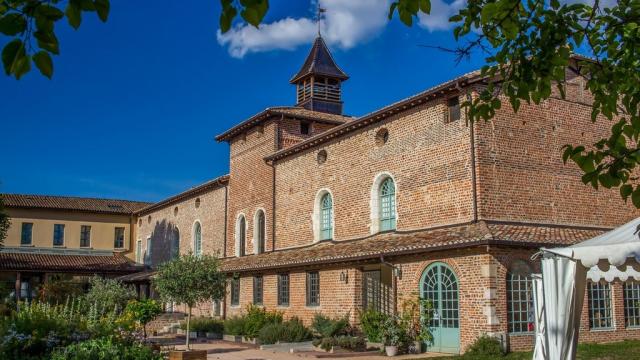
point(223, 350)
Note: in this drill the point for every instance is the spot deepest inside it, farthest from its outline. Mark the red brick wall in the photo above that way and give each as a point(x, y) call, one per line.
point(429, 160)
point(521, 176)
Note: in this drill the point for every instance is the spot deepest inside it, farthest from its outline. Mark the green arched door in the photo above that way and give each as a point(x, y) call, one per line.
point(439, 284)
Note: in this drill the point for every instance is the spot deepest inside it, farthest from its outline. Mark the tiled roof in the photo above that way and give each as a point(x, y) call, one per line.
point(143, 276)
point(194, 191)
point(114, 263)
point(291, 111)
point(319, 62)
point(108, 206)
point(394, 244)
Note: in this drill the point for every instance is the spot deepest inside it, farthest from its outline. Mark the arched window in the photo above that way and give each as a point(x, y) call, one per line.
point(326, 217)
point(259, 232)
point(241, 236)
point(520, 312)
point(197, 238)
point(387, 205)
point(175, 243)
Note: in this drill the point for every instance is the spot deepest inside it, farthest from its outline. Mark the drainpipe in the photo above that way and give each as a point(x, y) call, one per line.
point(226, 208)
point(273, 185)
point(474, 188)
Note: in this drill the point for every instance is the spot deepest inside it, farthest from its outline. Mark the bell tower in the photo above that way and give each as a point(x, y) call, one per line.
point(318, 83)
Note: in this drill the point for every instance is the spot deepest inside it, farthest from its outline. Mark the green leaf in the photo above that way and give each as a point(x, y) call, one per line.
point(392, 9)
point(12, 24)
point(74, 16)
point(50, 12)
point(102, 8)
point(625, 191)
point(635, 197)
point(47, 41)
point(425, 6)
point(43, 61)
point(10, 53)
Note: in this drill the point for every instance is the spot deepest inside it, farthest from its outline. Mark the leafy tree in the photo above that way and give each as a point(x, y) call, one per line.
point(109, 294)
point(5, 222)
point(143, 311)
point(189, 280)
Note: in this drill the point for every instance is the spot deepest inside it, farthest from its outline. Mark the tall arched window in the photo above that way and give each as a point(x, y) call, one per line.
point(259, 232)
point(197, 238)
point(175, 243)
point(326, 217)
point(387, 205)
point(520, 312)
point(241, 236)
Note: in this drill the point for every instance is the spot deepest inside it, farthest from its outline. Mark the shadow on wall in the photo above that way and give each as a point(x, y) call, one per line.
point(165, 244)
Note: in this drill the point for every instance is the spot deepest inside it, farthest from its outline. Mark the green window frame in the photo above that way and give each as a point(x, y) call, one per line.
point(85, 236)
point(520, 311)
point(326, 217)
point(313, 288)
point(235, 292)
point(283, 289)
point(26, 235)
point(118, 241)
point(58, 235)
point(387, 205)
point(258, 293)
point(600, 314)
point(197, 238)
point(631, 295)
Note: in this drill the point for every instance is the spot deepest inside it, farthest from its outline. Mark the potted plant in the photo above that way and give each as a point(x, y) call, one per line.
point(416, 318)
point(393, 336)
point(189, 280)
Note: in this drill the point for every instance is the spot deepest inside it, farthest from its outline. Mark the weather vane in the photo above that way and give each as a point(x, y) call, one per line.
point(320, 11)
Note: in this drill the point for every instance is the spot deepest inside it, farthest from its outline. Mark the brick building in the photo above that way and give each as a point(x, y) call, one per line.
point(323, 212)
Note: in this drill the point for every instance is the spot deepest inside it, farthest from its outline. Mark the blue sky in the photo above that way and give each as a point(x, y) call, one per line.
point(135, 103)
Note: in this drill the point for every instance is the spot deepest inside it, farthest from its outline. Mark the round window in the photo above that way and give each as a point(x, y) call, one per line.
point(382, 136)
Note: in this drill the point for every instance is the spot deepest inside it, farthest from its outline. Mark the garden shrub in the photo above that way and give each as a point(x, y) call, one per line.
point(371, 322)
point(256, 318)
point(143, 312)
point(292, 330)
point(106, 349)
point(204, 324)
point(234, 326)
point(109, 294)
point(353, 343)
point(485, 346)
point(325, 327)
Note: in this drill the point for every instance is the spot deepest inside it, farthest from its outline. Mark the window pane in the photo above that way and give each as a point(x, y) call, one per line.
point(261, 232)
point(313, 288)
point(197, 239)
point(283, 289)
point(58, 235)
point(326, 217)
point(387, 205)
point(235, 291)
point(85, 236)
point(242, 235)
point(257, 290)
point(599, 305)
point(118, 241)
point(26, 235)
point(520, 312)
point(632, 304)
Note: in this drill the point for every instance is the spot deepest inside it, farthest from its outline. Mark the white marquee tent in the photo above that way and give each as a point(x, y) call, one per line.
point(559, 293)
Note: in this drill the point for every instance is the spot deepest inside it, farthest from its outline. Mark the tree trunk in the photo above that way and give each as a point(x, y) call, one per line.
point(188, 328)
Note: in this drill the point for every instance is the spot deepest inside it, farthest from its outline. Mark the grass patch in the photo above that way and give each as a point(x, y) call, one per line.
point(623, 350)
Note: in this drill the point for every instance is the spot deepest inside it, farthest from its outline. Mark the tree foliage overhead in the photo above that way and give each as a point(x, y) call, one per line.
point(5, 222)
point(528, 45)
point(31, 25)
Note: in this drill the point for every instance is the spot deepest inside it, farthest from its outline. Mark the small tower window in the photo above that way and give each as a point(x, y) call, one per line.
point(322, 157)
point(453, 109)
point(305, 128)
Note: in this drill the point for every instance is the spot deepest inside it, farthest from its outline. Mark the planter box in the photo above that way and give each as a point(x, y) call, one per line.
point(213, 336)
point(188, 355)
point(232, 338)
point(285, 347)
point(375, 345)
point(333, 350)
point(202, 334)
point(253, 341)
point(193, 335)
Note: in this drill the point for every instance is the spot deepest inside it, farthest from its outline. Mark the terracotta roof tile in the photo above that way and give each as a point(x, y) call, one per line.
point(196, 190)
point(393, 244)
point(114, 263)
point(291, 111)
point(108, 206)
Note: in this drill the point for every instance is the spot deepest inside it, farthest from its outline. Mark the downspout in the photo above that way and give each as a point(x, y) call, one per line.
point(224, 241)
point(273, 184)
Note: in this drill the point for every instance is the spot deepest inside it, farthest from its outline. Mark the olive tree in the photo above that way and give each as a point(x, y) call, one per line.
point(189, 280)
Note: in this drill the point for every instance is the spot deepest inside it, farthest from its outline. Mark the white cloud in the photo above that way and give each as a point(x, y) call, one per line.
point(441, 11)
point(346, 24)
